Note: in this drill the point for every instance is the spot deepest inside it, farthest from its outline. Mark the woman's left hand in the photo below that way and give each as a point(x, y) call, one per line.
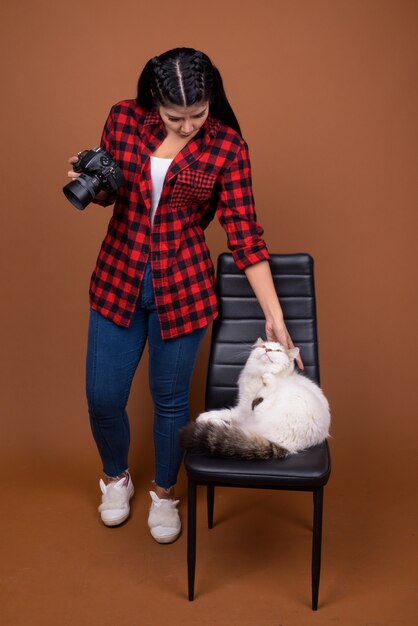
point(276, 331)
point(261, 280)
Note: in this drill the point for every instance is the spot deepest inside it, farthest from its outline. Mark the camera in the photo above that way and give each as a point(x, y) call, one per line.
point(99, 171)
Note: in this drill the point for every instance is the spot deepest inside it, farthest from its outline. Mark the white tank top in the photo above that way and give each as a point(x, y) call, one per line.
point(159, 167)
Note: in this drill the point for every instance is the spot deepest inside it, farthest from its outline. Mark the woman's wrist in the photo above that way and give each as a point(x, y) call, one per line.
point(275, 315)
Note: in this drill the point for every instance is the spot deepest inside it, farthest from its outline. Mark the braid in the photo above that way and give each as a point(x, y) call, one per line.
point(184, 77)
point(203, 71)
point(159, 76)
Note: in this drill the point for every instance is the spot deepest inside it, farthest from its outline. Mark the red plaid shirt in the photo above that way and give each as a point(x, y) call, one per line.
point(210, 175)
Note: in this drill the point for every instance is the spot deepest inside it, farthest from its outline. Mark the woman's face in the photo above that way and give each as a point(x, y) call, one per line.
point(184, 121)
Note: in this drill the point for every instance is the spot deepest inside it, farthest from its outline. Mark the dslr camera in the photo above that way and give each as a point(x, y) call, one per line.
point(99, 171)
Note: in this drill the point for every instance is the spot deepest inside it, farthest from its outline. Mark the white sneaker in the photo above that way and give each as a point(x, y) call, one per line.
point(114, 508)
point(163, 519)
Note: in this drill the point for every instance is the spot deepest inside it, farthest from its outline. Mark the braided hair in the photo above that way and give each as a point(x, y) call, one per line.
point(184, 77)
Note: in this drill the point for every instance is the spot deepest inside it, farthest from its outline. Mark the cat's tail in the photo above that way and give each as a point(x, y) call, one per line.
point(228, 440)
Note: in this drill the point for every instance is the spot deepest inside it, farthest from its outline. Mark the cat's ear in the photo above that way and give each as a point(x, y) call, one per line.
point(259, 341)
point(293, 352)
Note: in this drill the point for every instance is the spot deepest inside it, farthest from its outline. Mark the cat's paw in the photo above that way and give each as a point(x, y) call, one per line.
point(203, 417)
point(268, 379)
point(220, 416)
point(209, 416)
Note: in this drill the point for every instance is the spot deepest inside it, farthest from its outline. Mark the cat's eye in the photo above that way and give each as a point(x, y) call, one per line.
point(271, 349)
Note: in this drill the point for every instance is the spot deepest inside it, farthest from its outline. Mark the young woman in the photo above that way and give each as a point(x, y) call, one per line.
point(184, 160)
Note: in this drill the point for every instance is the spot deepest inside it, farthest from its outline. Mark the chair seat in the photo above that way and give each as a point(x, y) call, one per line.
point(310, 468)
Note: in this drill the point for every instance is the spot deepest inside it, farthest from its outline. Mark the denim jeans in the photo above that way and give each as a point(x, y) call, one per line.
point(113, 354)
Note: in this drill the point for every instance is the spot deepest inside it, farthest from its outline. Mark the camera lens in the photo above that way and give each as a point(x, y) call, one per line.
point(99, 172)
point(80, 192)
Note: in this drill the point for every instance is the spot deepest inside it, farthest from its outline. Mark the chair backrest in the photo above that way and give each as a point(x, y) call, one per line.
point(241, 321)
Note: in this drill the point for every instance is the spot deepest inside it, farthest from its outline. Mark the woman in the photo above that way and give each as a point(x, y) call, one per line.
point(184, 160)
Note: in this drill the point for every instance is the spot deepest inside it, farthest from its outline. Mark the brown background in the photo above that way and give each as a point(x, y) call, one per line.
point(326, 95)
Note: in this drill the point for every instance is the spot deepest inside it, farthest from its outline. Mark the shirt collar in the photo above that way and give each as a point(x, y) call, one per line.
point(152, 117)
point(210, 126)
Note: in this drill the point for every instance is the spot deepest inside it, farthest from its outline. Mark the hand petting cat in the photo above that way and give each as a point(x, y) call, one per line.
point(261, 280)
point(276, 331)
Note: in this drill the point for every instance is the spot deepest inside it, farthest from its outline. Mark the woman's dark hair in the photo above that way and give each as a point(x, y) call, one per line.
point(184, 76)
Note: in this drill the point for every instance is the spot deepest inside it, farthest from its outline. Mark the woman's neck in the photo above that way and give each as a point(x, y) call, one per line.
point(170, 146)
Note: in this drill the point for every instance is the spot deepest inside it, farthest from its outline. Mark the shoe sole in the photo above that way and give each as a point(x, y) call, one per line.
point(115, 522)
point(169, 539)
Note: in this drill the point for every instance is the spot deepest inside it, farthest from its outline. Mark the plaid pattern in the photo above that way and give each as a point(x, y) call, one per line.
point(210, 176)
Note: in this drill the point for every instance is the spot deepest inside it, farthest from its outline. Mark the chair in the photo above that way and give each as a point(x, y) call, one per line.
point(239, 323)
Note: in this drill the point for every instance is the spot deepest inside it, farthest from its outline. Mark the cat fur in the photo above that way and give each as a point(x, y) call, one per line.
point(279, 411)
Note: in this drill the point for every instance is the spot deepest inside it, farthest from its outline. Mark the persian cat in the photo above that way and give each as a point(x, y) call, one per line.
point(279, 411)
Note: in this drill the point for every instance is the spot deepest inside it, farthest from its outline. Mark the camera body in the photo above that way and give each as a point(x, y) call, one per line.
point(99, 172)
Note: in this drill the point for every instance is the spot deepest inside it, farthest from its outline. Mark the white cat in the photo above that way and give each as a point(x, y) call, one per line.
point(279, 411)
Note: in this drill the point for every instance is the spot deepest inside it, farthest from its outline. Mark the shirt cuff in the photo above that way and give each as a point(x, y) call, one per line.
point(249, 256)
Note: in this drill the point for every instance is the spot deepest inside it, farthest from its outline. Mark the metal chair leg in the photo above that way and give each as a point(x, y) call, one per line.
point(191, 537)
point(316, 544)
point(210, 496)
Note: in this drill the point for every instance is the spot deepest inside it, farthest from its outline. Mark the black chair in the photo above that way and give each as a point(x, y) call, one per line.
point(239, 323)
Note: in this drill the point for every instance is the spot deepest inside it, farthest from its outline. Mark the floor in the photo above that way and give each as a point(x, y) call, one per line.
point(61, 566)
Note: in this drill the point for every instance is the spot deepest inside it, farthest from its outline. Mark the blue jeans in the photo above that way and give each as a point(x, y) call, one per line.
point(113, 355)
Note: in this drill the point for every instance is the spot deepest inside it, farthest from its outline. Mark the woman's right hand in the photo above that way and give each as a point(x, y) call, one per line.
point(102, 197)
point(71, 173)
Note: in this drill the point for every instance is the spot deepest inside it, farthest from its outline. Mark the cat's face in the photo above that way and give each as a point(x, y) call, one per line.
point(272, 356)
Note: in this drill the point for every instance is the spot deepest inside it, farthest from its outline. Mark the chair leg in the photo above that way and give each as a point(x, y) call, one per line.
point(191, 537)
point(316, 544)
point(210, 496)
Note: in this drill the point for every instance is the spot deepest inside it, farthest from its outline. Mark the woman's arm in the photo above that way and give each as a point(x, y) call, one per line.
point(236, 214)
point(261, 280)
